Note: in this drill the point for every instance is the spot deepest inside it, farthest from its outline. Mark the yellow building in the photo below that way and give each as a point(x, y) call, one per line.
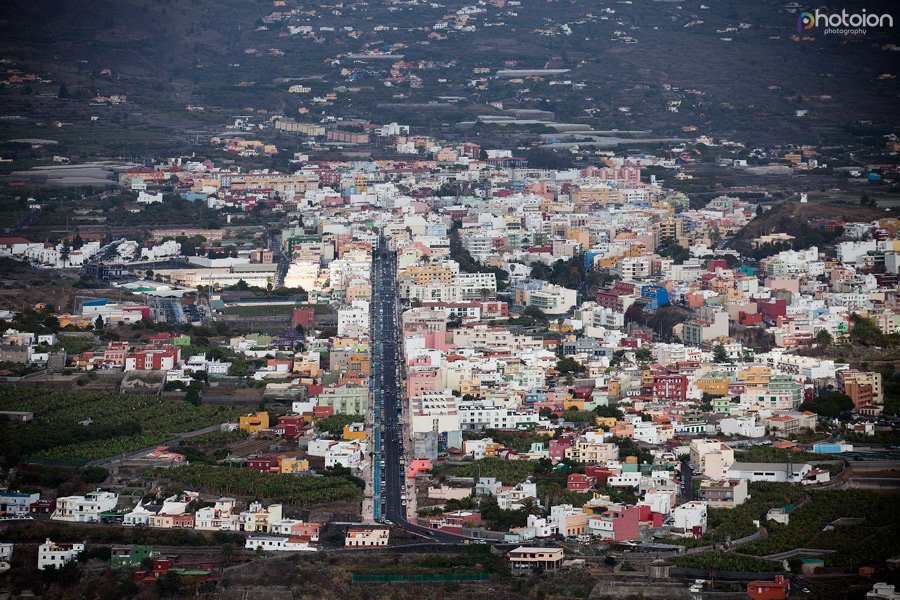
point(255, 421)
point(354, 431)
point(587, 196)
point(470, 387)
point(715, 384)
point(605, 422)
point(612, 389)
point(570, 403)
point(755, 376)
point(428, 275)
point(292, 464)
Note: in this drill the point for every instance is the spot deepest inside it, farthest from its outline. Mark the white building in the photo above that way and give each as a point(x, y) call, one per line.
point(359, 537)
point(17, 503)
point(347, 454)
point(53, 555)
point(354, 316)
point(434, 412)
point(478, 416)
point(219, 517)
point(688, 516)
point(145, 198)
point(257, 519)
point(279, 543)
point(746, 426)
point(138, 517)
point(542, 528)
point(551, 299)
point(84, 509)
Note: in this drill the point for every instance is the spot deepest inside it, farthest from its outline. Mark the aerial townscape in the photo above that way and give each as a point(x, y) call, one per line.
point(532, 299)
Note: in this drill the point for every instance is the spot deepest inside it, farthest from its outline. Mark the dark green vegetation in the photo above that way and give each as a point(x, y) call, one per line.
point(335, 424)
point(233, 55)
point(725, 524)
point(38, 531)
point(829, 405)
point(812, 526)
point(118, 422)
point(304, 490)
point(472, 559)
point(725, 561)
point(770, 454)
point(869, 542)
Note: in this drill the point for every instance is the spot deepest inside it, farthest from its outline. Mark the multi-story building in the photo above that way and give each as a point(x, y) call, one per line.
point(84, 509)
point(592, 452)
point(567, 520)
point(724, 493)
point(689, 518)
point(366, 537)
point(218, 517)
point(346, 399)
point(477, 416)
point(711, 458)
point(524, 560)
point(152, 358)
point(863, 387)
point(670, 387)
point(52, 555)
point(617, 523)
point(17, 503)
point(257, 519)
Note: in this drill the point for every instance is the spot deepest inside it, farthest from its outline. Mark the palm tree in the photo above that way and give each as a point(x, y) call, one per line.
point(227, 552)
point(531, 506)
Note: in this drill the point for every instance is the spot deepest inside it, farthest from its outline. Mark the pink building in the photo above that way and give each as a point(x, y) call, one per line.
point(558, 448)
point(788, 284)
point(617, 524)
point(422, 381)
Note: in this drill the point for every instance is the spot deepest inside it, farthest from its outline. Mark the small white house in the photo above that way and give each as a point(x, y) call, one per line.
point(279, 543)
point(138, 517)
point(53, 555)
point(688, 516)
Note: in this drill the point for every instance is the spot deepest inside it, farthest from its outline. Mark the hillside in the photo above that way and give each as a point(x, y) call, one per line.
point(739, 72)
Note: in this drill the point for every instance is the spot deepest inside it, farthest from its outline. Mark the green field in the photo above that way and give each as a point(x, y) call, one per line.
point(118, 422)
point(305, 490)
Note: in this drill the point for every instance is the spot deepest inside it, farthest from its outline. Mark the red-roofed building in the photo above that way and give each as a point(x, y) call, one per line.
point(769, 590)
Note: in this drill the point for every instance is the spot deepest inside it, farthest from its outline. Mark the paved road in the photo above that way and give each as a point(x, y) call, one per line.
point(386, 353)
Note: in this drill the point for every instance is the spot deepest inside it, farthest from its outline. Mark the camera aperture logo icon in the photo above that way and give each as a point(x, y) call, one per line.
point(806, 20)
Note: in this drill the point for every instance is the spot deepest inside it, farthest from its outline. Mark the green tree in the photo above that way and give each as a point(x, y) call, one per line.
point(823, 338)
point(829, 405)
point(569, 365)
point(168, 585)
point(864, 331)
point(720, 355)
point(192, 397)
point(535, 313)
